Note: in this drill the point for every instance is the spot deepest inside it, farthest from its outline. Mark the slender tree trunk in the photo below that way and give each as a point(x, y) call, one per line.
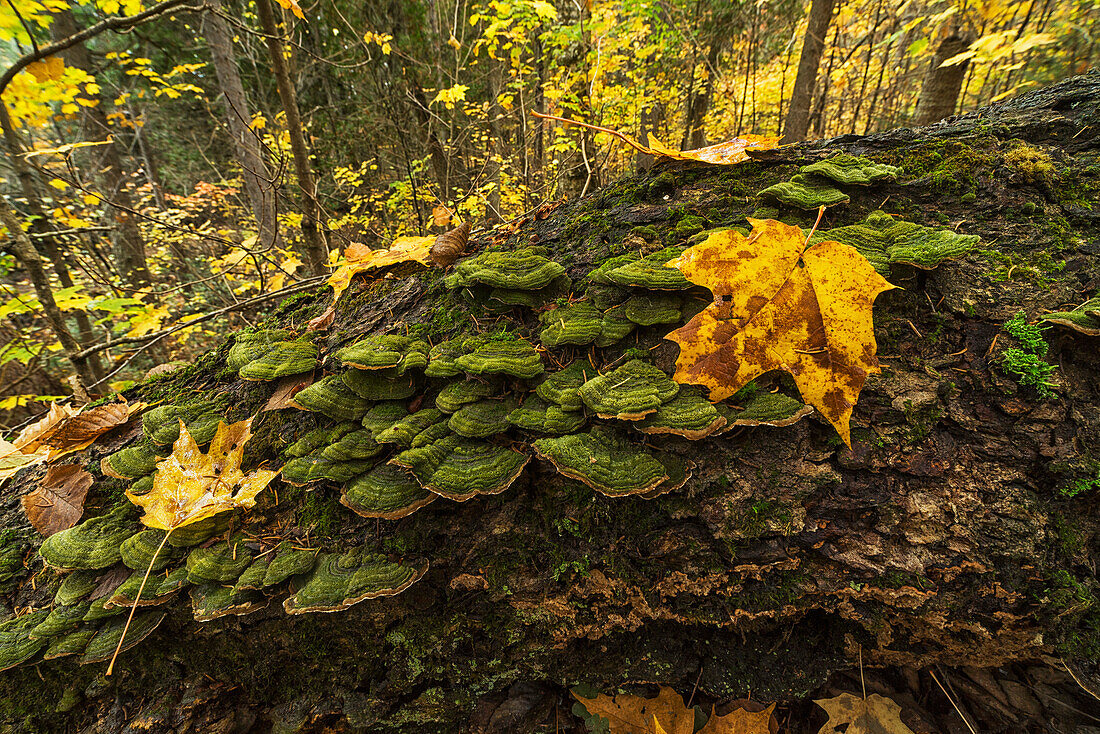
point(128, 245)
point(316, 252)
point(258, 182)
point(27, 255)
point(942, 84)
point(798, 116)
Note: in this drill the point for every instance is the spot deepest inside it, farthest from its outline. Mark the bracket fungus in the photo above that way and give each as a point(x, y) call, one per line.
point(341, 580)
point(74, 587)
point(390, 351)
point(16, 644)
point(385, 492)
point(765, 408)
point(132, 462)
point(515, 270)
point(461, 468)
point(443, 357)
point(106, 641)
point(276, 566)
point(582, 323)
point(222, 563)
point(72, 643)
point(805, 192)
point(281, 360)
point(403, 431)
point(60, 620)
point(483, 418)
point(373, 386)
point(852, 170)
point(93, 544)
point(537, 298)
point(650, 309)
point(314, 468)
point(514, 358)
point(689, 414)
point(605, 460)
point(649, 272)
point(1084, 319)
point(563, 387)
point(356, 445)
point(319, 438)
point(139, 550)
point(383, 415)
point(541, 416)
point(884, 240)
point(210, 601)
point(157, 589)
point(462, 392)
point(332, 398)
point(161, 425)
point(630, 392)
point(251, 345)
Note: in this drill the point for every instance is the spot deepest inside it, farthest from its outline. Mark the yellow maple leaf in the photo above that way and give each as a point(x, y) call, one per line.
point(292, 6)
point(874, 714)
point(361, 258)
point(667, 714)
point(725, 153)
point(779, 306)
point(190, 486)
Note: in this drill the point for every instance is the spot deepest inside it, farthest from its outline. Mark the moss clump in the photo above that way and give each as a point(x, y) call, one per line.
point(1025, 363)
point(688, 226)
point(1029, 165)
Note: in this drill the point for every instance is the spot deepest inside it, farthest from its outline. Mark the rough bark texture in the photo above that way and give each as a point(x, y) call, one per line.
point(943, 539)
point(940, 90)
point(802, 94)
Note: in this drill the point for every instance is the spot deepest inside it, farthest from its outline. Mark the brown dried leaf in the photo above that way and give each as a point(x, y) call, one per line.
point(441, 216)
point(81, 431)
point(450, 245)
point(34, 435)
point(742, 721)
point(872, 715)
point(58, 502)
point(285, 391)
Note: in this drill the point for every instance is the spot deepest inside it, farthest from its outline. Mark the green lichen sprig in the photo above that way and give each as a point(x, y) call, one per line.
point(1025, 363)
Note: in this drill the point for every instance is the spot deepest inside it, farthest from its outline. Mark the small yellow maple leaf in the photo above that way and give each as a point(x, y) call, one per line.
point(190, 486)
point(360, 258)
point(781, 307)
point(874, 714)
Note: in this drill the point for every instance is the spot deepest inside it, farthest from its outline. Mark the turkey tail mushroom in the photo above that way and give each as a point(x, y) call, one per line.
point(450, 245)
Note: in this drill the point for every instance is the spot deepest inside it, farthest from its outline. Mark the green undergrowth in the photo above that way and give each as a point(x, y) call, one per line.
point(1025, 363)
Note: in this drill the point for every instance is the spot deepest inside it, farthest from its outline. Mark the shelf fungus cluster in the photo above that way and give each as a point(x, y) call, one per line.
point(817, 184)
point(270, 355)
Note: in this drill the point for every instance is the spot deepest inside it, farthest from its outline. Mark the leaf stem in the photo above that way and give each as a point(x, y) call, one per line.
point(137, 600)
point(820, 214)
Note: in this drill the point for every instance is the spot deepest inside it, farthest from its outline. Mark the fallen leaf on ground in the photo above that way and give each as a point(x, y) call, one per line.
point(741, 721)
point(81, 430)
point(13, 459)
point(634, 715)
point(285, 391)
point(723, 154)
point(779, 306)
point(58, 502)
point(872, 715)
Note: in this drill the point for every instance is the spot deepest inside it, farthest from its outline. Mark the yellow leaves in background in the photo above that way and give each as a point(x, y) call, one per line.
point(190, 486)
point(382, 39)
point(48, 69)
point(292, 6)
point(452, 96)
point(780, 307)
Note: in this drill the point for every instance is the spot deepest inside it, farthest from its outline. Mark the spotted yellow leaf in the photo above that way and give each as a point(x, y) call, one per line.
point(779, 306)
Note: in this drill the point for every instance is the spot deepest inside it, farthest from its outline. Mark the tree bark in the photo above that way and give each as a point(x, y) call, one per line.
point(259, 185)
point(941, 86)
point(107, 168)
point(316, 252)
point(946, 543)
point(802, 94)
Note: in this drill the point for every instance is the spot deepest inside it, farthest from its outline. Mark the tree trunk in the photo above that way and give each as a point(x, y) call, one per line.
point(955, 544)
point(940, 90)
point(802, 94)
point(106, 166)
point(258, 182)
point(316, 252)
